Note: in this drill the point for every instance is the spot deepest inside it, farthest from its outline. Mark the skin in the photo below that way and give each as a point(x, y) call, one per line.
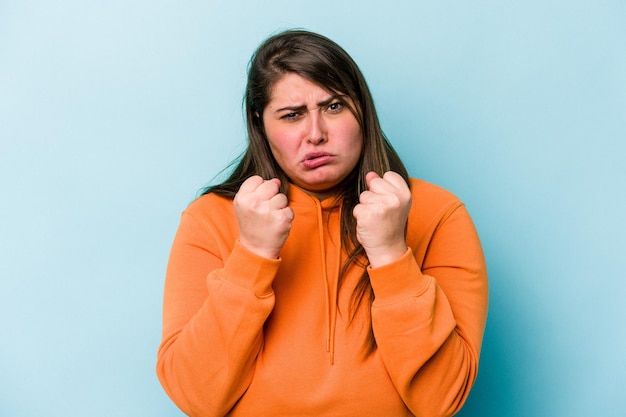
point(317, 141)
point(264, 216)
point(313, 135)
point(381, 217)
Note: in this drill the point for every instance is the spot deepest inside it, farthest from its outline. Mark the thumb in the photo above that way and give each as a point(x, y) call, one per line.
point(369, 177)
point(275, 181)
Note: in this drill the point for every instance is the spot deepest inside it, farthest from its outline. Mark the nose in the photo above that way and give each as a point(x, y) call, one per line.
point(316, 133)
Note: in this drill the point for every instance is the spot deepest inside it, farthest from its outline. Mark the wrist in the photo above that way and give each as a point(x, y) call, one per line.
point(260, 251)
point(384, 256)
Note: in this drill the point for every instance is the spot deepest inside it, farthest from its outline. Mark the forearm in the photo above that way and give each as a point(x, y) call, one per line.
point(429, 354)
point(213, 316)
point(208, 364)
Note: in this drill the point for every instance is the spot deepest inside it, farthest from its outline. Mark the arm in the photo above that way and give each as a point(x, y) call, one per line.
point(218, 295)
point(429, 319)
point(213, 314)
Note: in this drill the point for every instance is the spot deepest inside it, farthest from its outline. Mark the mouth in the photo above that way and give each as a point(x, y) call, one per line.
point(316, 159)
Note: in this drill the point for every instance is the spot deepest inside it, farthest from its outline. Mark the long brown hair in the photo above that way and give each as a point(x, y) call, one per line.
point(323, 62)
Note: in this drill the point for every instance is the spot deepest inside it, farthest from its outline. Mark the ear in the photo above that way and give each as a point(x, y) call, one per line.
point(257, 115)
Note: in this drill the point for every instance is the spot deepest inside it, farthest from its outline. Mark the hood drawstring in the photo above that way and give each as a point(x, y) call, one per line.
point(331, 293)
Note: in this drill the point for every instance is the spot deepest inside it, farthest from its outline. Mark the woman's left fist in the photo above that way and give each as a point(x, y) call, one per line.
point(381, 217)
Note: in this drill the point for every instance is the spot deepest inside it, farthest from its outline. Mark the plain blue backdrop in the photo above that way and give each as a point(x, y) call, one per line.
point(113, 114)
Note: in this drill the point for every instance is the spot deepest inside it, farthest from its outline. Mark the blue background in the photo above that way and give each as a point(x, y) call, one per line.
point(113, 114)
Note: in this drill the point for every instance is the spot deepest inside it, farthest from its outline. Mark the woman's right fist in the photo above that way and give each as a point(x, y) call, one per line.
point(264, 216)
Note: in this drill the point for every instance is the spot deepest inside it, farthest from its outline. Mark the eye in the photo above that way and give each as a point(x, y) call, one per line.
point(290, 116)
point(335, 107)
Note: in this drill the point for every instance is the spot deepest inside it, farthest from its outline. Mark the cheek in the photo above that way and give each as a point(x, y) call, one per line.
point(281, 141)
point(355, 137)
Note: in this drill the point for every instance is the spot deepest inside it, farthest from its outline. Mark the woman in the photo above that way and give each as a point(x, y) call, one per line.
point(319, 279)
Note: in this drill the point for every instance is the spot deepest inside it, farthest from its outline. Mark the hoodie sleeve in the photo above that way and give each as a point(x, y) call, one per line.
point(216, 301)
point(429, 319)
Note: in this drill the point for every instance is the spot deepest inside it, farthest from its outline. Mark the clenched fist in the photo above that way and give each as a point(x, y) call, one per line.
point(381, 217)
point(264, 216)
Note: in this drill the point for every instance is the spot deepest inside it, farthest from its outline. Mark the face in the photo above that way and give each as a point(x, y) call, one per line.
point(312, 133)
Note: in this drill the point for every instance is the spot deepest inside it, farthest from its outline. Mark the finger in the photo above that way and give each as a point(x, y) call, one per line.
point(275, 181)
point(366, 197)
point(267, 189)
point(378, 185)
point(395, 179)
point(251, 184)
point(279, 201)
point(289, 213)
point(370, 176)
point(356, 211)
point(361, 212)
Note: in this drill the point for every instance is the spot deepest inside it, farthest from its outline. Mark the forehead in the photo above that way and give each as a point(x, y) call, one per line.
point(292, 87)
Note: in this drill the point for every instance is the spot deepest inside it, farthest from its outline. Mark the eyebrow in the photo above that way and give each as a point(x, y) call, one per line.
point(303, 107)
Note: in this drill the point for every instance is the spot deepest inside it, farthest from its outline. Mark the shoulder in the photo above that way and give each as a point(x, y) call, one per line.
point(426, 194)
point(211, 209)
point(430, 205)
point(208, 201)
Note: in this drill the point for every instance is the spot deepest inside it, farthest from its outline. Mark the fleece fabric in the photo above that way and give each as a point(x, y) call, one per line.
point(248, 336)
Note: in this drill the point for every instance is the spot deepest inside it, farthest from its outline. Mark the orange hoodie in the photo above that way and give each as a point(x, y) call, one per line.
point(249, 336)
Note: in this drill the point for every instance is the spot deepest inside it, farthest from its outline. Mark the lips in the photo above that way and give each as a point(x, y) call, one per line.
point(316, 159)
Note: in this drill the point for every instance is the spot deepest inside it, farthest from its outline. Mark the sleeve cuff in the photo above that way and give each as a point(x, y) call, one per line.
point(398, 280)
point(249, 270)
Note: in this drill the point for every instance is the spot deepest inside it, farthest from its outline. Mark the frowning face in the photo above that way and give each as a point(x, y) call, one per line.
point(312, 134)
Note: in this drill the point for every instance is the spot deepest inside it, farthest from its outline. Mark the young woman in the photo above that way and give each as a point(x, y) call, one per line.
point(319, 279)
